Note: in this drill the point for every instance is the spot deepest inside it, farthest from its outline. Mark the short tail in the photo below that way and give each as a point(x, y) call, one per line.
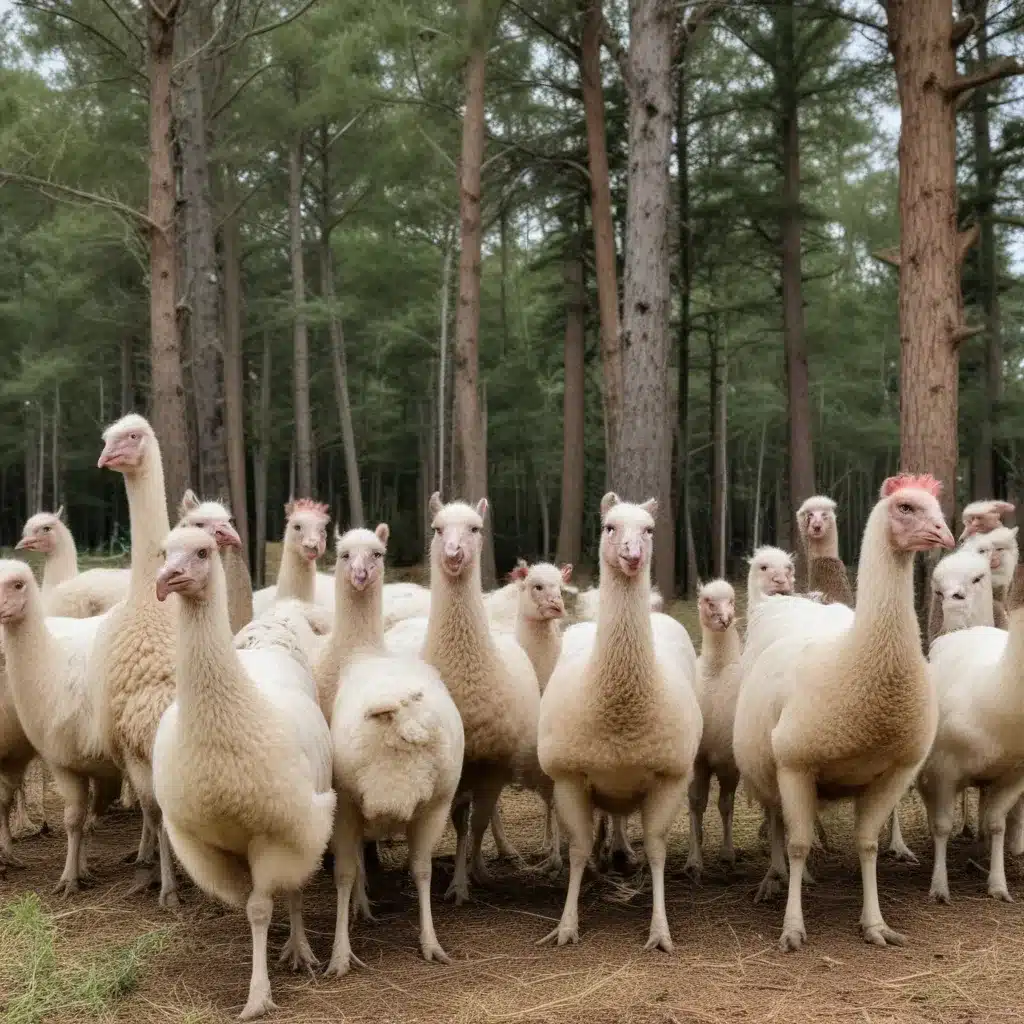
point(402, 714)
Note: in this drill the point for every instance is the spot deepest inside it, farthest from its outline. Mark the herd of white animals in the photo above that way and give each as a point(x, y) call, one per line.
point(258, 731)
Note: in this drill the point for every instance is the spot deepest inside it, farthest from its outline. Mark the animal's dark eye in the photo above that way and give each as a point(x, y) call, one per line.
point(296, 527)
point(764, 568)
point(474, 529)
point(538, 586)
point(649, 530)
point(203, 553)
point(346, 556)
point(906, 509)
point(378, 554)
point(437, 531)
point(47, 529)
point(978, 579)
point(201, 525)
point(20, 585)
point(134, 436)
point(609, 528)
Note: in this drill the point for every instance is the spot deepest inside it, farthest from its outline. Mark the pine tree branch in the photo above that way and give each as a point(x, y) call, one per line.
point(1007, 221)
point(53, 12)
point(964, 241)
point(962, 28)
point(687, 29)
point(568, 45)
point(1004, 67)
point(272, 27)
point(221, 107)
point(45, 187)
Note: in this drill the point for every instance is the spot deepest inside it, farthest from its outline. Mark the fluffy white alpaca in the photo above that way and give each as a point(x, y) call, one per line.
point(771, 573)
point(46, 673)
point(212, 516)
point(16, 753)
point(242, 760)
point(619, 723)
point(358, 609)
point(826, 571)
point(540, 611)
point(717, 686)
point(983, 517)
point(67, 592)
point(304, 541)
point(488, 675)
point(1000, 545)
point(587, 603)
point(831, 711)
point(979, 676)
point(398, 748)
point(961, 593)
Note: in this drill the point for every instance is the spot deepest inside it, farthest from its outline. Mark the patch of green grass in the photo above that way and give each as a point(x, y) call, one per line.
point(40, 980)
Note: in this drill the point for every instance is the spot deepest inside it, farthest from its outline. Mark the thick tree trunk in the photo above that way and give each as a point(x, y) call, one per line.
point(930, 303)
point(234, 381)
point(167, 391)
point(801, 452)
point(442, 373)
point(201, 292)
point(471, 470)
point(603, 224)
point(300, 337)
point(339, 368)
point(986, 474)
point(685, 284)
point(642, 455)
point(570, 528)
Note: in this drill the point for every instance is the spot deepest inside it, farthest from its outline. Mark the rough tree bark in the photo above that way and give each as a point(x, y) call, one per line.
point(202, 284)
point(471, 468)
point(260, 468)
point(985, 469)
point(127, 375)
point(300, 337)
point(167, 397)
point(642, 454)
point(922, 40)
point(801, 451)
point(570, 528)
point(603, 224)
point(718, 370)
point(234, 382)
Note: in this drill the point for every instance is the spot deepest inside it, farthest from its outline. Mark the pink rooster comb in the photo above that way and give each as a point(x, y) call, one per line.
point(922, 482)
point(519, 572)
point(307, 505)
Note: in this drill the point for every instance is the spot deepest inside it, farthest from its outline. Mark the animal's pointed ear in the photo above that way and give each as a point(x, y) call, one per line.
point(1014, 530)
point(481, 508)
point(383, 531)
point(435, 503)
point(289, 508)
point(518, 574)
point(566, 572)
point(60, 512)
point(609, 501)
point(1003, 507)
point(189, 503)
point(650, 506)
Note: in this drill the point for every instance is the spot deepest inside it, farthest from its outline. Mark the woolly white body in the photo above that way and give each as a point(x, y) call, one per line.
point(398, 746)
point(979, 678)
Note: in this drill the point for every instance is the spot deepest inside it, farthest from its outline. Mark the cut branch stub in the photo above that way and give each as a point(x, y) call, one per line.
point(890, 255)
point(962, 28)
point(965, 331)
point(964, 242)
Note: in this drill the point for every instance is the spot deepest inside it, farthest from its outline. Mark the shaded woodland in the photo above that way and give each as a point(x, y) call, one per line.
point(531, 248)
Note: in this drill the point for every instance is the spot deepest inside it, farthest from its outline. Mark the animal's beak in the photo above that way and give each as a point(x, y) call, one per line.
point(168, 579)
point(937, 535)
point(26, 544)
point(227, 536)
point(110, 457)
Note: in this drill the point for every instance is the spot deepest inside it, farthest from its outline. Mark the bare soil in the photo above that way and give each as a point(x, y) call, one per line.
point(963, 963)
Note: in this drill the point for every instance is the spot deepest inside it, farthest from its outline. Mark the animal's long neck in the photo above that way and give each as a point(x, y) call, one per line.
point(457, 626)
point(542, 641)
point(823, 547)
point(719, 648)
point(239, 584)
point(985, 612)
point(885, 631)
point(62, 563)
point(28, 647)
point(1013, 656)
point(358, 618)
point(623, 658)
point(147, 505)
point(296, 576)
point(212, 685)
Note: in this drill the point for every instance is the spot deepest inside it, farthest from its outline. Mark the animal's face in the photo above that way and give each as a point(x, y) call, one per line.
point(717, 606)
point(985, 545)
point(125, 444)
point(15, 584)
point(915, 519)
point(960, 579)
point(458, 534)
point(213, 517)
point(306, 532)
point(541, 591)
point(772, 572)
point(361, 556)
point(817, 520)
point(983, 517)
point(40, 533)
point(188, 555)
point(1000, 547)
point(627, 534)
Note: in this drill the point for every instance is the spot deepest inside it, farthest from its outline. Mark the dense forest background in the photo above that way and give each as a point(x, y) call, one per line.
point(323, 303)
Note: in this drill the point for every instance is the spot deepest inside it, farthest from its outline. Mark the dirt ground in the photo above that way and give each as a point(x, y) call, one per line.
point(963, 964)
